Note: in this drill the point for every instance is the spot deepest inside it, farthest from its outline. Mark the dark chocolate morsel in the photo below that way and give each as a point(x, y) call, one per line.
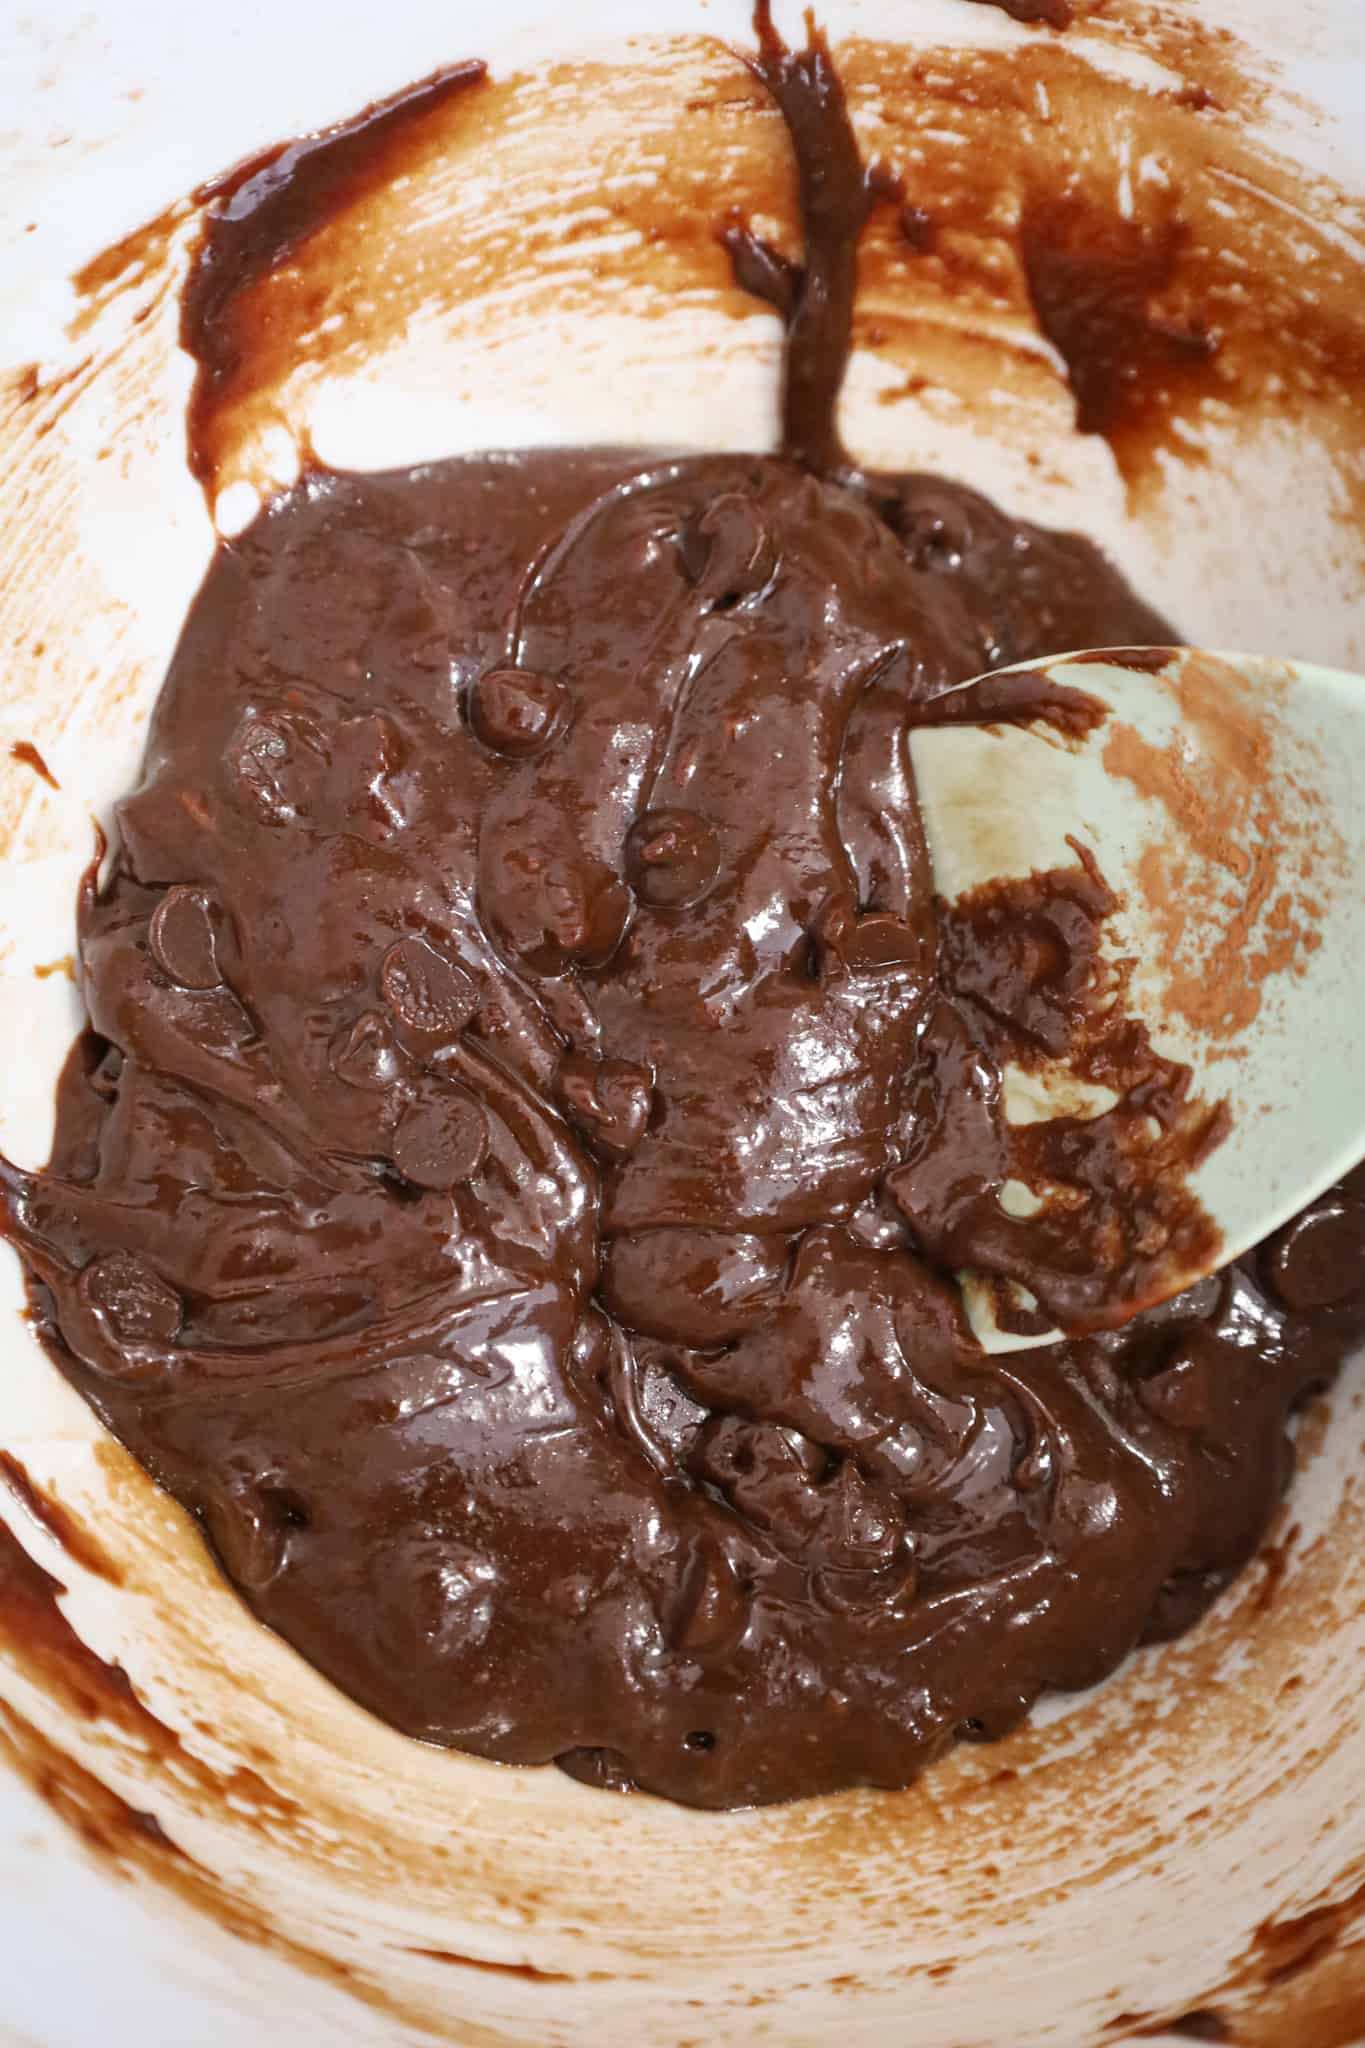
point(672, 858)
point(441, 1143)
point(516, 711)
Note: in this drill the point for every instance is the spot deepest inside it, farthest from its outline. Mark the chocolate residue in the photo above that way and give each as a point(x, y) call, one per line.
point(261, 214)
point(1022, 697)
point(1047, 13)
point(1021, 963)
point(41, 1644)
point(1099, 285)
point(25, 751)
point(34, 1627)
point(1238, 846)
point(760, 267)
point(1286, 1947)
point(1275, 1560)
point(834, 197)
point(1298, 1982)
point(1142, 660)
point(526, 1971)
point(979, 140)
point(39, 1641)
point(1202, 2025)
point(488, 1195)
point(75, 1539)
point(1168, 304)
point(108, 1824)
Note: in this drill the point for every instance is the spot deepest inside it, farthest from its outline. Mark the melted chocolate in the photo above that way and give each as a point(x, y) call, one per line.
point(27, 754)
point(532, 1104)
point(1050, 13)
point(1096, 282)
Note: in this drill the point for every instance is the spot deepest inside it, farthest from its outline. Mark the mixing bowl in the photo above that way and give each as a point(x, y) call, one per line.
point(198, 1836)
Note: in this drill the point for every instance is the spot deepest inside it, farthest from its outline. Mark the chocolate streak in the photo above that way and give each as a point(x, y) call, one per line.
point(1050, 13)
point(532, 1102)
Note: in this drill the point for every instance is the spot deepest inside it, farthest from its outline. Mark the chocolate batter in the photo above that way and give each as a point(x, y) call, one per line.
point(533, 1103)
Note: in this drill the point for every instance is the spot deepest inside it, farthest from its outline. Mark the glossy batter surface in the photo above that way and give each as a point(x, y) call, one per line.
point(533, 1104)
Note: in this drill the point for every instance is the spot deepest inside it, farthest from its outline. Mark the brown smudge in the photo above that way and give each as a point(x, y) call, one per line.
point(526, 1971)
point(27, 753)
point(1202, 2025)
point(950, 282)
point(66, 965)
point(1300, 1981)
point(1162, 303)
point(21, 387)
point(109, 1825)
point(1235, 846)
point(1286, 1947)
point(39, 1641)
point(1276, 1557)
point(129, 1839)
point(1146, 661)
point(37, 1636)
point(59, 1522)
point(142, 257)
point(131, 1842)
point(1019, 697)
point(1057, 14)
point(262, 214)
point(1099, 285)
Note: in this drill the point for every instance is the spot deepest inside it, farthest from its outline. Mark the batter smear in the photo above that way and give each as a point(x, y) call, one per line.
point(532, 1105)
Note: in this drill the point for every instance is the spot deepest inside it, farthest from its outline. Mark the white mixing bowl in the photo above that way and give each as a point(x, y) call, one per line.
point(1192, 1836)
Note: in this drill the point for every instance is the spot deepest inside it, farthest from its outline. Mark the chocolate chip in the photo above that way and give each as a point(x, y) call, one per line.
point(727, 551)
point(260, 759)
point(883, 1582)
point(363, 1054)
point(1034, 1469)
point(713, 1612)
point(516, 711)
point(918, 229)
point(183, 938)
point(1180, 1393)
point(702, 1287)
point(429, 998)
point(606, 1770)
point(441, 1144)
point(608, 1100)
point(138, 1305)
point(673, 858)
point(250, 1528)
point(250, 1542)
point(1319, 1260)
point(846, 940)
point(863, 1527)
point(104, 1075)
point(777, 1479)
point(559, 914)
point(934, 525)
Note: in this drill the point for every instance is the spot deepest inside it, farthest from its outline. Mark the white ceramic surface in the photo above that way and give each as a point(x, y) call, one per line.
point(1150, 1829)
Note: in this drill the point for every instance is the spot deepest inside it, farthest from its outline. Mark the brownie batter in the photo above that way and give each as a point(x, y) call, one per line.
point(533, 1105)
